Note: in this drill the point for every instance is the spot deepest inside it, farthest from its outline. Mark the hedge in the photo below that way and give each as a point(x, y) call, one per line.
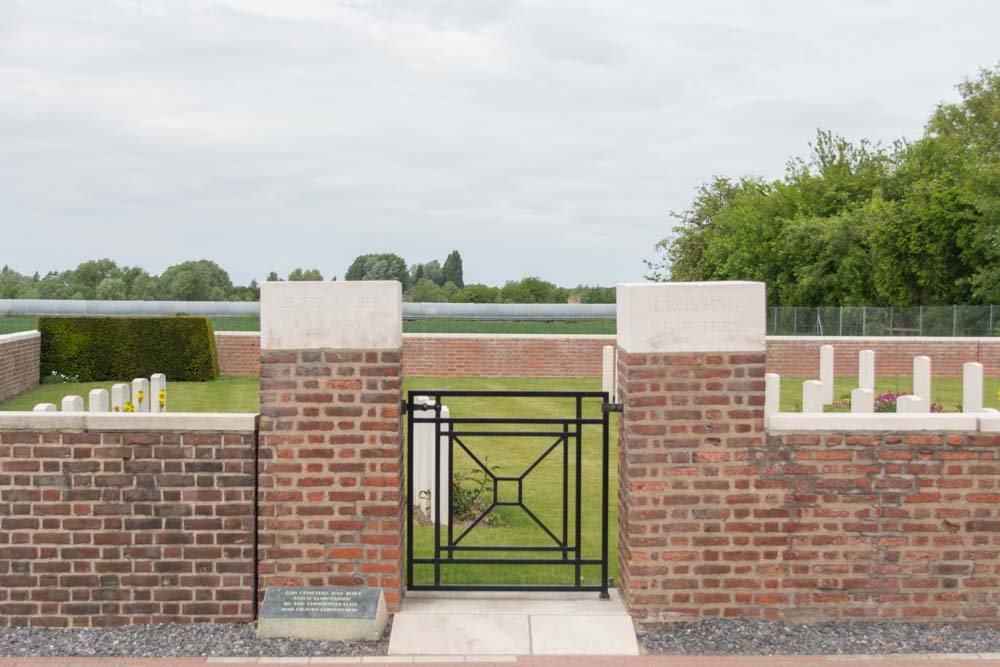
point(122, 348)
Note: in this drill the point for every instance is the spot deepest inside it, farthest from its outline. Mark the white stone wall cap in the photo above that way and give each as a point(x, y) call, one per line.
point(117, 421)
point(240, 334)
point(832, 340)
point(723, 316)
point(889, 422)
point(20, 335)
point(349, 315)
point(611, 338)
point(989, 422)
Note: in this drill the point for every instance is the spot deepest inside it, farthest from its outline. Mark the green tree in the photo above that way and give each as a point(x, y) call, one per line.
point(379, 266)
point(453, 269)
point(272, 277)
point(425, 291)
point(450, 291)
point(308, 274)
point(478, 293)
point(112, 288)
point(201, 280)
point(528, 290)
point(434, 272)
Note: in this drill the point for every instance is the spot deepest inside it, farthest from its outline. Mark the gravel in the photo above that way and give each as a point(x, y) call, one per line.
point(237, 640)
point(739, 637)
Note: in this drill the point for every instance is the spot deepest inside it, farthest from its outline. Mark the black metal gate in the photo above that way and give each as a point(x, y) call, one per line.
point(561, 541)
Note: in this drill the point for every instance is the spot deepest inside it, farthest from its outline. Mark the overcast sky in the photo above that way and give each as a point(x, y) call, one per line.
point(538, 138)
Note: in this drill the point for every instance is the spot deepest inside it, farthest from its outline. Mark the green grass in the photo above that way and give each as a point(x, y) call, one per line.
point(542, 487)
point(945, 391)
point(9, 325)
point(445, 325)
point(226, 394)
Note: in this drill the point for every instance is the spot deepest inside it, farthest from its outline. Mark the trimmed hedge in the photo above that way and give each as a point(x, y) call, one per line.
point(122, 348)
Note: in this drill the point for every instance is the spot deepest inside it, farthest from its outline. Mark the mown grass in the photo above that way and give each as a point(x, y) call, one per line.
point(947, 392)
point(226, 394)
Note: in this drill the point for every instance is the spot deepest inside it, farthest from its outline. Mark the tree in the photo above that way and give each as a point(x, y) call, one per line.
point(425, 291)
point(453, 269)
point(308, 274)
point(272, 277)
point(112, 288)
point(434, 272)
point(201, 280)
point(528, 290)
point(478, 293)
point(450, 291)
point(380, 266)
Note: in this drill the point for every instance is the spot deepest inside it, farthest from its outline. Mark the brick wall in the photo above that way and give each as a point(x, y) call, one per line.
point(20, 354)
point(686, 418)
point(104, 526)
point(239, 353)
point(720, 520)
point(331, 511)
point(471, 355)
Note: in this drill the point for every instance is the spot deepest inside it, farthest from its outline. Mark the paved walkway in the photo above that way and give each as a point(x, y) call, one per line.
point(922, 660)
point(515, 623)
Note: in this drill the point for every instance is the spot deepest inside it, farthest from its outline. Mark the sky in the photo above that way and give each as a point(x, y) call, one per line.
point(538, 138)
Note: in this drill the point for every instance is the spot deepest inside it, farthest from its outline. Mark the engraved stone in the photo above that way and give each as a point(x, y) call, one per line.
point(326, 613)
point(72, 404)
point(98, 400)
point(812, 396)
point(972, 387)
point(862, 401)
point(866, 370)
point(826, 372)
point(119, 396)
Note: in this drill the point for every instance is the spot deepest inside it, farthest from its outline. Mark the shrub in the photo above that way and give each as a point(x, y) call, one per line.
point(119, 348)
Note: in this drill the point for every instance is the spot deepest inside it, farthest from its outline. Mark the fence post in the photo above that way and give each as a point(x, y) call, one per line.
point(890, 320)
point(795, 320)
point(864, 320)
point(954, 320)
point(920, 321)
point(840, 323)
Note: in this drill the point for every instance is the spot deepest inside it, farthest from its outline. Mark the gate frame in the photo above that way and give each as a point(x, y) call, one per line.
point(410, 407)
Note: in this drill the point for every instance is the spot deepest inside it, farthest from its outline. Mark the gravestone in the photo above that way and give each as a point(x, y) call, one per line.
point(72, 404)
point(140, 394)
point(99, 400)
point(157, 384)
point(325, 613)
point(119, 396)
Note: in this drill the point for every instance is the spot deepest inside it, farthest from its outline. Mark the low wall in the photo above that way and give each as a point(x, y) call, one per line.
point(20, 355)
point(539, 355)
point(115, 519)
point(896, 523)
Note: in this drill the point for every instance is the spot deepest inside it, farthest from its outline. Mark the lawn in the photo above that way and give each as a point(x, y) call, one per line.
point(226, 394)
point(947, 392)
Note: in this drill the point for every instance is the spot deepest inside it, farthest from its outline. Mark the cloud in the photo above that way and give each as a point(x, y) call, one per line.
point(539, 138)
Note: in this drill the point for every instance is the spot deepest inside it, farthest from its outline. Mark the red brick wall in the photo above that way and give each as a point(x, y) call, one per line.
point(112, 528)
point(719, 520)
point(239, 353)
point(331, 456)
point(19, 363)
point(450, 355)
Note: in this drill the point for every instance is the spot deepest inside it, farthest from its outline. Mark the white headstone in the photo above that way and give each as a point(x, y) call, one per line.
point(119, 396)
point(608, 372)
point(98, 400)
point(352, 314)
point(772, 393)
point(922, 378)
point(72, 404)
point(424, 461)
point(140, 394)
point(972, 387)
point(691, 317)
point(826, 372)
point(157, 392)
point(45, 407)
point(812, 396)
point(911, 404)
point(862, 401)
point(866, 369)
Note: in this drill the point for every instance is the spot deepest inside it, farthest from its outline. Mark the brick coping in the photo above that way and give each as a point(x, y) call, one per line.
point(20, 335)
point(882, 422)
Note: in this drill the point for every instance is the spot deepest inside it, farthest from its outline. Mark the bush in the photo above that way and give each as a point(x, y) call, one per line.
point(120, 348)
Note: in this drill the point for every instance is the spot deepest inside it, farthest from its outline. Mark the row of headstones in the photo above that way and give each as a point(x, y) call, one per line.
point(817, 393)
point(150, 396)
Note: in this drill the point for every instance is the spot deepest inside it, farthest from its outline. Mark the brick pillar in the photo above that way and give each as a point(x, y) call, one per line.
point(691, 380)
point(331, 456)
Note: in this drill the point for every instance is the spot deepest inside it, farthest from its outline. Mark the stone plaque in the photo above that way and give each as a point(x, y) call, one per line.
point(691, 317)
point(358, 315)
point(327, 613)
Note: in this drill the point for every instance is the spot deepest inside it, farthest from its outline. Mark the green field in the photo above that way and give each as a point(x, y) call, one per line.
point(947, 392)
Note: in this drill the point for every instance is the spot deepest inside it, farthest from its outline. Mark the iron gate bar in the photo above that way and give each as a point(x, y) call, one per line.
point(445, 553)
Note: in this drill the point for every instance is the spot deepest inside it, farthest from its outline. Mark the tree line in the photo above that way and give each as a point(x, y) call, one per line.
point(915, 223)
point(204, 280)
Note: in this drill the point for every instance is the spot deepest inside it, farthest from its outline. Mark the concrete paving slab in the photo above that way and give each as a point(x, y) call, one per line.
point(459, 634)
point(583, 635)
point(587, 604)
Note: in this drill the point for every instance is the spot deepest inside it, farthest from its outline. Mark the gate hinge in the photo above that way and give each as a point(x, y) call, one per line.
point(404, 406)
point(612, 407)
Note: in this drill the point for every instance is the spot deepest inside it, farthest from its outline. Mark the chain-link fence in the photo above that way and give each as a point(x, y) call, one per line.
point(870, 321)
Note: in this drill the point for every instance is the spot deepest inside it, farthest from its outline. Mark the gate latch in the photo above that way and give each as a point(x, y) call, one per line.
point(612, 407)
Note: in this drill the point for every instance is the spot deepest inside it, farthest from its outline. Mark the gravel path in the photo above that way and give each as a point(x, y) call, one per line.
point(238, 640)
point(736, 637)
